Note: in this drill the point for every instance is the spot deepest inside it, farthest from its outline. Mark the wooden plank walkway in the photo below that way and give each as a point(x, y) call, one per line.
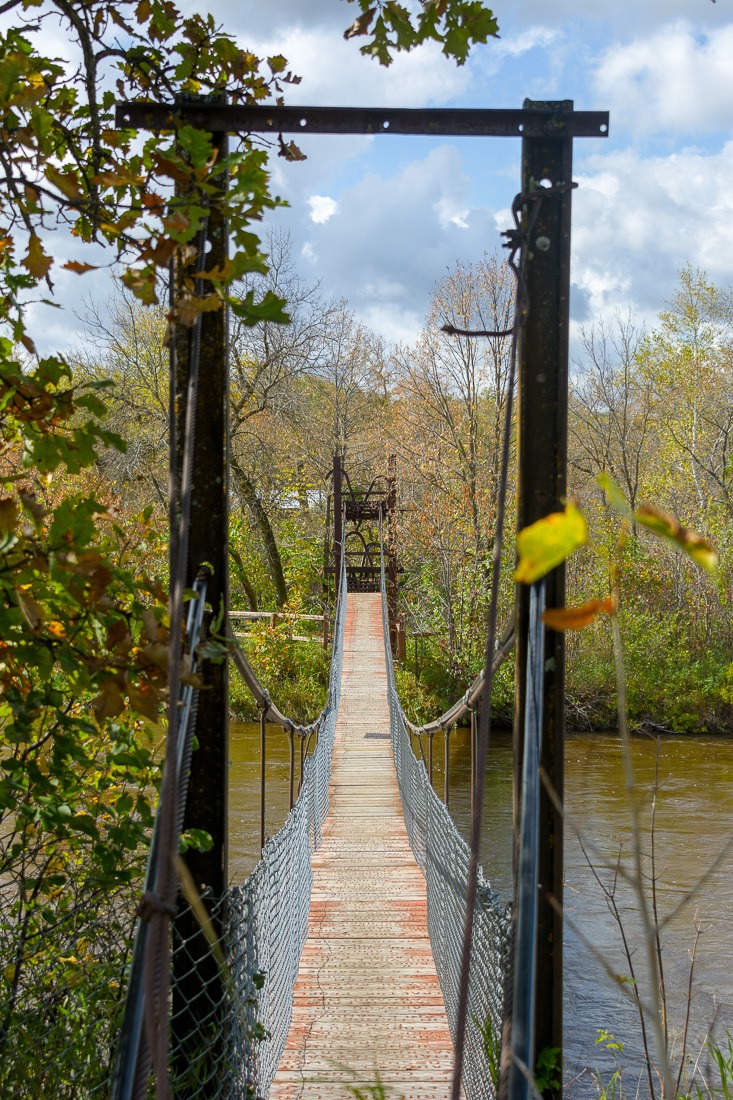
point(367, 998)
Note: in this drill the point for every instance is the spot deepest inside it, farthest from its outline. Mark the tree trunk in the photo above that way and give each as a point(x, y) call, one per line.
point(262, 522)
point(243, 578)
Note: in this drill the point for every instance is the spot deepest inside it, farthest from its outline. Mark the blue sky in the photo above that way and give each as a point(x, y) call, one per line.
point(380, 220)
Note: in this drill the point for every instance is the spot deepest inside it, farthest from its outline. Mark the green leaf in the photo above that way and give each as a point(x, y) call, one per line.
point(269, 308)
point(195, 839)
point(616, 498)
point(197, 144)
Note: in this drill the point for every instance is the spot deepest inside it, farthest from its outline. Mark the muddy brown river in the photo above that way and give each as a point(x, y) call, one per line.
point(694, 823)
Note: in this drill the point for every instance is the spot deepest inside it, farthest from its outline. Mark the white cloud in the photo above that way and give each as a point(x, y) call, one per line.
point(309, 253)
point(451, 213)
point(673, 80)
point(395, 237)
point(535, 37)
point(322, 208)
point(638, 221)
point(335, 73)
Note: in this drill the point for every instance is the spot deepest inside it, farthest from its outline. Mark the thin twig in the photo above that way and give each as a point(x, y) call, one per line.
point(648, 924)
point(655, 911)
point(693, 955)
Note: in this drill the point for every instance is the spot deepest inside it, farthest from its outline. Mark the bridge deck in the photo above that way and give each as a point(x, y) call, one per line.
point(367, 999)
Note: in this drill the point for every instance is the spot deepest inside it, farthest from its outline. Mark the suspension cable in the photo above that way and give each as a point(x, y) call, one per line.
point(516, 240)
point(162, 899)
point(132, 1065)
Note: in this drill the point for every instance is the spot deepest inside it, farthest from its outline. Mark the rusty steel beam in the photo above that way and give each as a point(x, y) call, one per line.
point(541, 487)
point(436, 121)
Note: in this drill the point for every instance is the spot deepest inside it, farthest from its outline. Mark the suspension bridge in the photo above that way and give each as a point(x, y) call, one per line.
point(366, 945)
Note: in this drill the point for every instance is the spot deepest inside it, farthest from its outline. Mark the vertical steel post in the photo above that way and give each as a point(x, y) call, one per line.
point(291, 737)
point(338, 517)
point(430, 758)
point(197, 986)
point(326, 587)
point(392, 552)
point(263, 747)
point(542, 476)
point(446, 775)
point(473, 758)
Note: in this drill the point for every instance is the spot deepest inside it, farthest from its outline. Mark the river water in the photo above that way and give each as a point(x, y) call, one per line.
point(693, 824)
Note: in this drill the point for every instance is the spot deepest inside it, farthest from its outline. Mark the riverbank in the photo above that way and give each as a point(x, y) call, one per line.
point(668, 691)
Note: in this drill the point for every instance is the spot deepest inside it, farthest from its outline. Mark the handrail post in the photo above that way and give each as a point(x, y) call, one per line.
point(392, 553)
point(446, 775)
point(472, 712)
point(263, 715)
point(291, 737)
point(338, 516)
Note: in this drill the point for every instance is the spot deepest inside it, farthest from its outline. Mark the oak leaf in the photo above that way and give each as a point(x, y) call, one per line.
point(669, 527)
point(36, 262)
point(109, 703)
point(78, 267)
point(8, 514)
point(32, 611)
point(361, 24)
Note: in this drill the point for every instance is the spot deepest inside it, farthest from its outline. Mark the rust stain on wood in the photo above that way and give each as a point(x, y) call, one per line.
point(367, 999)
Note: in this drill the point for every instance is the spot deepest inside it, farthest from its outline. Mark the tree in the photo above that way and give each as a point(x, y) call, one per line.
point(124, 350)
point(612, 424)
point(449, 415)
point(84, 640)
point(687, 361)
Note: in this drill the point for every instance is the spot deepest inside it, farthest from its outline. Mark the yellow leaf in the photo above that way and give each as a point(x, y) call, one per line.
point(548, 542)
point(57, 629)
point(666, 526)
point(37, 262)
point(575, 618)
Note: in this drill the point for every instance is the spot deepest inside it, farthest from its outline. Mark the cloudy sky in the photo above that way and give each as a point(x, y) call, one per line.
point(380, 219)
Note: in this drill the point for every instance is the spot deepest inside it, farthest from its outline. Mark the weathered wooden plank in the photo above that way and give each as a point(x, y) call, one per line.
point(368, 1003)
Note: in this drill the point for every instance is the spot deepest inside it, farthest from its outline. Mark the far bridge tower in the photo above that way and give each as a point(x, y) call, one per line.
point(353, 530)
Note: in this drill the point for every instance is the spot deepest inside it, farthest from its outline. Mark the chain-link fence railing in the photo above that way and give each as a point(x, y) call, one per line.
point(443, 855)
point(63, 967)
point(274, 903)
point(235, 959)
